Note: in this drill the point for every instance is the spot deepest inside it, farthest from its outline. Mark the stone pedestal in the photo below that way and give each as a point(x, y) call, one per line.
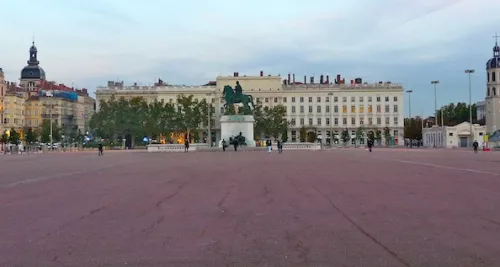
point(232, 125)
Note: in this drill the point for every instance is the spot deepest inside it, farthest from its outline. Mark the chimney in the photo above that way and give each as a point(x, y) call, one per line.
point(321, 79)
point(352, 81)
point(338, 79)
point(261, 73)
point(293, 77)
point(289, 78)
point(284, 82)
point(305, 79)
point(312, 79)
point(327, 79)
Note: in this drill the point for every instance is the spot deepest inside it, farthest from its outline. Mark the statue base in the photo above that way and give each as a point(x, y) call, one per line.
point(232, 125)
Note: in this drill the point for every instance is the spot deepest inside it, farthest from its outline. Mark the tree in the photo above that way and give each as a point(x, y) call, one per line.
point(275, 119)
point(303, 134)
point(454, 114)
point(360, 133)
point(345, 136)
point(413, 128)
point(387, 136)
point(189, 115)
point(378, 136)
point(14, 136)
point(4, 138)
point(45, 132)
point(31, 136)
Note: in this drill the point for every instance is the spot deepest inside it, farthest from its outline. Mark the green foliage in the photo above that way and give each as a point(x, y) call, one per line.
point(387, 135)
point(345, 136)
point(4, 138)
point(413, 128)
point(31, 136)
point(454, 114)
point(303, 134)
point(378, 134)
point(45, 132)
point(360, 133)
point(270, 121)
point(311, 136)
point(14, 136)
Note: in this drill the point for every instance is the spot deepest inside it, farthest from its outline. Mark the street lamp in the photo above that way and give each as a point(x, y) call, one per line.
point(409, 107)
point(331, 118)
point(209, 119)
point(435, 104)
point(469, 72)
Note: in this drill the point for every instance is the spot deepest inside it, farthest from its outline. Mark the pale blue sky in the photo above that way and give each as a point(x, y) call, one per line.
point(190, 42)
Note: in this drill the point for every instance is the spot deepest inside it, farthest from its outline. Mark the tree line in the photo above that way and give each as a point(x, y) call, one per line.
point(40, 134)
point(137, 118)
point(452, 114)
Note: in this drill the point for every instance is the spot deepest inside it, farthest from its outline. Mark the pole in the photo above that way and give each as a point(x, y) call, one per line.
point(331, 120)
point(469, 72)
point(435, 105)
point(209, 114)
point(51, 140)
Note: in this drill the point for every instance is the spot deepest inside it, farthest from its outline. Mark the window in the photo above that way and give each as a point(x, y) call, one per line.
point(293, 109)
point(353, 109)
point(379, 121)
point(301, 99)
point(344, 121)
point(395, 99)
point(396, 133)
point(353, 121)
point(335, 99)
point(370, 110)
point(284, 99)
point(318, 121)
point(327, 121)
point(370, 121)
point(387, 108)
point(387, 121)
point(360, 99)
point(396, 108)
point(318, 109)
point(450, 134)
point(327, 99)
point(293, 99)
point(310, 109)
point(266, 100)
point(378, 109)
point(292, 122)
point(395, 120)
point(378, 98)
point(310, 99)
point(301, 121)
point(327, 109)
point(361, 121)
point(336, 109)
point(353, 99)
point(336, 121)
point(301, 109)
point(361, 109)
point(493, 77)
point(369, 99)
point(386, 99)
point(344, 109)
point(318, 99)
point(294, 136)
point(344, 99)
point(275, 100)
point(310, 121)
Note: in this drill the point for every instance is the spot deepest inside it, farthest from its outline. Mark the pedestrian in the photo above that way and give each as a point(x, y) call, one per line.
point(370, 144)
point(280, 146)
point(224, 145)
point(475, 145)
point(269, 145)
point(186, 145)
point(100, 149)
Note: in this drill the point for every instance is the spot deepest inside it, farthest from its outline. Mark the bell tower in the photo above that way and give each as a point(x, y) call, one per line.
point(493, 90)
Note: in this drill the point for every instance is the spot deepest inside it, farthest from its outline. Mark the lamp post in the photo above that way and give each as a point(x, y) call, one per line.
point(435, 104)
point(469, 72)
point(331, 118)
point(409, 109)
point(209, 119)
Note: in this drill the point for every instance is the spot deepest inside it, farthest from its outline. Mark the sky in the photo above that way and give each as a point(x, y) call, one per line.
point(87, 43)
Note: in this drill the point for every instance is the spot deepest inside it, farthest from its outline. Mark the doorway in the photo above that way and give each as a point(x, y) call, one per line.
point(463, 141)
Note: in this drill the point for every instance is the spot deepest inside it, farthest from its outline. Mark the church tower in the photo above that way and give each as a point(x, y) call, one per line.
point(493, 90)
point(32, 75)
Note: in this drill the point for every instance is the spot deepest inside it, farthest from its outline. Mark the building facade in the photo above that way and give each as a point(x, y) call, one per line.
point(325, 108)
point(458, 136)
point(3, 90)
point(493, 91)
point(480, 110)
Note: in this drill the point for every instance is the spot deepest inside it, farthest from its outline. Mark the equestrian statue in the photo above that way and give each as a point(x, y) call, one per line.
point(236, 96)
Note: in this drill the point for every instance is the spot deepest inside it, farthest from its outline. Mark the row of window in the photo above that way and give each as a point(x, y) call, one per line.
point(353, 121)
point(327, 99)
point(16, 121)
point(361, 109)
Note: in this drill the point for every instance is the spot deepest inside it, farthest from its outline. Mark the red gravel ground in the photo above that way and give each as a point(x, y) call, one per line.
point(326, 208)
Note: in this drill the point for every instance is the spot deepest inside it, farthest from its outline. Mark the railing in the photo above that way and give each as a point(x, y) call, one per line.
point(173, 147)
point(299, 146)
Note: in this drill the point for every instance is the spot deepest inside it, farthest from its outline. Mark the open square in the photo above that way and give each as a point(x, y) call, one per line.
point(392, 207)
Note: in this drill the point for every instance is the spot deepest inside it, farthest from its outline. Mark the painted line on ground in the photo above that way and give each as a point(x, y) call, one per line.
point(440, 166)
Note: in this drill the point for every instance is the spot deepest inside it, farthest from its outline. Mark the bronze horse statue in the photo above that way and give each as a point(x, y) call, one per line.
point(232, 98)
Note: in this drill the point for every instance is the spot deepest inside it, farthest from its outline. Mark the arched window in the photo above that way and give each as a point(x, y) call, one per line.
point(494, 91)
point(488, 92)
point(493, 77)
point(488, 74)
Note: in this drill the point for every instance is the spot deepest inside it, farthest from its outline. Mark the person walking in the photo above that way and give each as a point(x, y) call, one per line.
point(475, 145)
point(280, 146)
point(100, 149)
point(269, 145)
point(370, 144)
point(186, 145)
point(224, 145)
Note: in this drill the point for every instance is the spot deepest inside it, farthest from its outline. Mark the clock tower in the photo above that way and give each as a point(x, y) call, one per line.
point(492, 109)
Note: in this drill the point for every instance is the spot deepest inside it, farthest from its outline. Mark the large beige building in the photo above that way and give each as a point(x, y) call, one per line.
point(323, 107)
